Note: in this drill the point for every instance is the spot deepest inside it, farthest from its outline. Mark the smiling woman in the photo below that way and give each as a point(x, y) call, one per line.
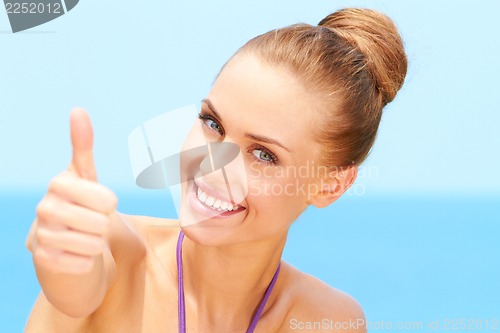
point(302, 104)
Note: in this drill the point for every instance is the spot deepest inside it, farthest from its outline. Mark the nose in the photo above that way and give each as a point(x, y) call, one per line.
point(219, 154)
point(222, 171)
point(219, 165)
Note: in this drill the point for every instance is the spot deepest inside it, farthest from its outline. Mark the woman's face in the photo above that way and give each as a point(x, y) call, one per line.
point(266, 113)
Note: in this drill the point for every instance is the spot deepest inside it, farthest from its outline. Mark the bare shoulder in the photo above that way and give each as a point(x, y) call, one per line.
point(315, 306)
point(142, 221)
point(152, 231)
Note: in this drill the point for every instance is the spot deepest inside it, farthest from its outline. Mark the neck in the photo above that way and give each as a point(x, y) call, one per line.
point(225, 284)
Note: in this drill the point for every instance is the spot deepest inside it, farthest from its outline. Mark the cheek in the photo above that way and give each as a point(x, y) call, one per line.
point(272, 189)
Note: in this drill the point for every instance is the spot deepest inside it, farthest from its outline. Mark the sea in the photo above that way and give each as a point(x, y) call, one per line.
point(415, 263)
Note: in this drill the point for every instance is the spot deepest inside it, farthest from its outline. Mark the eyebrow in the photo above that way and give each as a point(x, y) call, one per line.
point(211, 107)
point(255, 137)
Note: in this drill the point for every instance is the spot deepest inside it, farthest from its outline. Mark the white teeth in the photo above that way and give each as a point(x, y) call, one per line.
point(210, 201)
point(216, 204)
point(202, 196)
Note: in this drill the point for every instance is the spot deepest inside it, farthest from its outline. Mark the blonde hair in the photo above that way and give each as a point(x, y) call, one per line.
point(354, 61)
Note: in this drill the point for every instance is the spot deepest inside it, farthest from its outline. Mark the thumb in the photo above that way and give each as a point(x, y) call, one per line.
point(82, 138)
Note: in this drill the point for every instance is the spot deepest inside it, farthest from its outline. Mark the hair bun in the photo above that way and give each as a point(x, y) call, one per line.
point(377, 37)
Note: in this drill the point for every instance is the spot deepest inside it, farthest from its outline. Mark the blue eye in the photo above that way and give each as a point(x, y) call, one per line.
point(211, 123)
point(264, 156)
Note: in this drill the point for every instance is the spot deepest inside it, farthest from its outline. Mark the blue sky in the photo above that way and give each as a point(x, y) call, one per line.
point(128, 62)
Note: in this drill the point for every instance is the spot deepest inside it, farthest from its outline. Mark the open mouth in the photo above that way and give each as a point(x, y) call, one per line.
point(211, 201)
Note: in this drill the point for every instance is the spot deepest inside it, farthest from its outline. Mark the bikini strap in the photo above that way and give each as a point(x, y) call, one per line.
point(181, 307)
point(262, 304)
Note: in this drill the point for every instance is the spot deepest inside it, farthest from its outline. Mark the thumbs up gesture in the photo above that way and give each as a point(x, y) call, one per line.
point(71, 227)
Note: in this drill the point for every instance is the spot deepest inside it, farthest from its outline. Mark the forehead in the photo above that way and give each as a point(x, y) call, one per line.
point(258, 98)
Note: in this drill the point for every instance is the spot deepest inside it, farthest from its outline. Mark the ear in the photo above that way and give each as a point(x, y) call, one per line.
point(332, 187)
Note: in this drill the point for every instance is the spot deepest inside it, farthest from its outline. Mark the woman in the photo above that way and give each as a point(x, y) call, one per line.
point(293, 97)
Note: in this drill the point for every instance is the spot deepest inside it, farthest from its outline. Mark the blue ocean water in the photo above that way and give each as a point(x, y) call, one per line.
point(408, 260)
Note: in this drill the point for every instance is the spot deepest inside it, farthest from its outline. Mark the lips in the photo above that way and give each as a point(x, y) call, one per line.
point(214, 201)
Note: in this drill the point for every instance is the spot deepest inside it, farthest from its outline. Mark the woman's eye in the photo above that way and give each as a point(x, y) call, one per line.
point(263, 155)
point(211, 124)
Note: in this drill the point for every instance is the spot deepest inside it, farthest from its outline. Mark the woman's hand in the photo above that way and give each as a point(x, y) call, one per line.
point(74, 216)
point(69, 237)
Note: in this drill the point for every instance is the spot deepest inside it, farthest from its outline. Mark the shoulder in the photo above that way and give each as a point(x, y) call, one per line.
point(146, 226)
point(317, 307)
point(147, 235)
point(134, 240)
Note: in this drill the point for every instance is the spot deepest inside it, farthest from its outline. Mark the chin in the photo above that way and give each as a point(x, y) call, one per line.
point(210, 236)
